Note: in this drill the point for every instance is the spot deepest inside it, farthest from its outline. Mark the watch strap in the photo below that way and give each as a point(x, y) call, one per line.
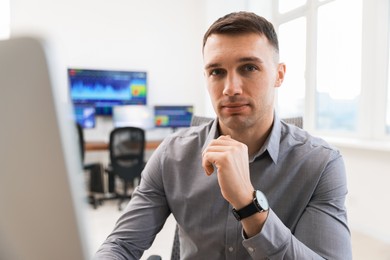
point(248, 210)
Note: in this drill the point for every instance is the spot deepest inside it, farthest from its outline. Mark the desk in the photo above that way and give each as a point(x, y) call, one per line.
point(102, 146)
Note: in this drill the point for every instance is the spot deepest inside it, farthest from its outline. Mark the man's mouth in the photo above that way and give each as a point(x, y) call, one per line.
point(234, 107)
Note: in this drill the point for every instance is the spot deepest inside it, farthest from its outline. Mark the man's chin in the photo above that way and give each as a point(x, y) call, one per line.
point(238, 122)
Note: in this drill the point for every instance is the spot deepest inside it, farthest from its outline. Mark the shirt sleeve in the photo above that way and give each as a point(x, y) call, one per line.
point(142, 219)
point(321, 232)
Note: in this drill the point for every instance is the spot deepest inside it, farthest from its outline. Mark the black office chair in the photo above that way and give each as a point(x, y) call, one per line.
point(199, 120)
point(127, 145)
point(95, 170)
point(297, 121)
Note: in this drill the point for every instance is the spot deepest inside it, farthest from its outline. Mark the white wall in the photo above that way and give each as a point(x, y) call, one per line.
point(368, 173)
point(161, 37)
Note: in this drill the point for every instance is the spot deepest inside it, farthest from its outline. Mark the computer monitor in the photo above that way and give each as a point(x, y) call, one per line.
point(85, 115)
point(42, 193)
point(107, 88)
point(173, 116)
point(133, 115)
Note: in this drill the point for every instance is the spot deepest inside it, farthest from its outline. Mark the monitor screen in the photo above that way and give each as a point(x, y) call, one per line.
point(136, 116)
point(173, 116)
point(107, 88)
point(85, 115)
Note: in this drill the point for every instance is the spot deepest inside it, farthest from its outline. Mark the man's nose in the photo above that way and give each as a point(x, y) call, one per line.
point(233, 85)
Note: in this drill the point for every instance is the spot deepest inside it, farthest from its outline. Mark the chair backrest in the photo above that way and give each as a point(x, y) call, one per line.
point(80, 136)
point(199, 120)
point(127, 146)
point(297, 121)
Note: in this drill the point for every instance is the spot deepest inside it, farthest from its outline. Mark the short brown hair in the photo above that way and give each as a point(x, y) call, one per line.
point(243, 22)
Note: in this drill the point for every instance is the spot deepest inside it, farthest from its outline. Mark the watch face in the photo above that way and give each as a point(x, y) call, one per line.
point(262, 200)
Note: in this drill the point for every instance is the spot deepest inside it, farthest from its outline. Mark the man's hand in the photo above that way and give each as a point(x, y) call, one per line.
point(230, 157)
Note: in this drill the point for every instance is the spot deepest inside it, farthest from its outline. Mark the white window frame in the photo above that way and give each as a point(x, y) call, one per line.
point(371, 130)
point(4, 19)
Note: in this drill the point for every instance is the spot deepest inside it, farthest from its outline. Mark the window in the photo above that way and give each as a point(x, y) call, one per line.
point(388, 94)
point(337, 54)
point(4, 19)
point(338, 66)
point(292, 41)
point(334, 54)
point(288, 5)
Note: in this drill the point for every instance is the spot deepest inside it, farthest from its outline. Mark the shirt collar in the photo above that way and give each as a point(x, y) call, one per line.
point(213, 134)
point(271, 144)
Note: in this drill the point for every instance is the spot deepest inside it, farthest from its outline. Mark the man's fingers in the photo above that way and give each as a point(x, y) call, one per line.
point(209, 169)
point(207, 166)
point(212, 152)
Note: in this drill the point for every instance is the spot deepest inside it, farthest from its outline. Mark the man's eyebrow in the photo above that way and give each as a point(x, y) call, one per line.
point(251, 58)
point(212, 65)
point(240, 60)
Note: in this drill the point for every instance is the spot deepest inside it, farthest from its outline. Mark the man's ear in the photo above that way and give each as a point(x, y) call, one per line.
point(281, 71)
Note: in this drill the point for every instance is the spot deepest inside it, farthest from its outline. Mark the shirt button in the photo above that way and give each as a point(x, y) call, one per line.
point(231, 249)
point(251, 249)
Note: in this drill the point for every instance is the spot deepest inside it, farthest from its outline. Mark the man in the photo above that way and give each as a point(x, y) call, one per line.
point(247, 185)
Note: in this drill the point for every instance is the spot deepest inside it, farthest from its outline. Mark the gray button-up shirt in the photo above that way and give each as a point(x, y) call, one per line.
point(303, 178)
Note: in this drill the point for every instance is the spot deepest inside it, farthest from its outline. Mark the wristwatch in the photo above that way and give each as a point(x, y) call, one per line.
point(259, 204)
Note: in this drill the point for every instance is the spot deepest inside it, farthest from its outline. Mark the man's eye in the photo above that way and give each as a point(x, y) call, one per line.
point(249, 68)
point(216, 72)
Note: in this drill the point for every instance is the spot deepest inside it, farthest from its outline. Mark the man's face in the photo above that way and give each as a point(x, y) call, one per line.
point(242, 73)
